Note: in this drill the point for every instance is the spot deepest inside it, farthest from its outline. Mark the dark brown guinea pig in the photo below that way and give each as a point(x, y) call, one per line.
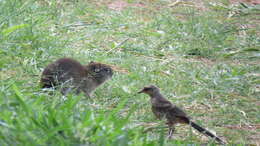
point(69, 75)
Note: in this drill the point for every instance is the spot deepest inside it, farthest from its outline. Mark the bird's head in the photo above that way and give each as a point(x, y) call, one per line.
point(150, 90)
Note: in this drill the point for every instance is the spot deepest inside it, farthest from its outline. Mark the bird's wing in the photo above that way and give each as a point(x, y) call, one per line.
point(178, 112)
point(162, 103)
point(158, 114)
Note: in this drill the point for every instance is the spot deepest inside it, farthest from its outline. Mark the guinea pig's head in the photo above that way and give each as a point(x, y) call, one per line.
point(101, 72)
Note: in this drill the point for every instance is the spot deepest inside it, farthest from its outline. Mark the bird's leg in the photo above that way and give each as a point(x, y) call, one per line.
point(171, 130)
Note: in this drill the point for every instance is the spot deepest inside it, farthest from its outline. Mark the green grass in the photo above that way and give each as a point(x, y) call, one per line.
point(205, 61)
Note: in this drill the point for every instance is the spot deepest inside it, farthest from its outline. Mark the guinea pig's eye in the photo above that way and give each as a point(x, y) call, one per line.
point(96, 70)
point(106, 69)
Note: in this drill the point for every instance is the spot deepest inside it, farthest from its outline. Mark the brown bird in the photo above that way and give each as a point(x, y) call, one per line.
point(163, 108)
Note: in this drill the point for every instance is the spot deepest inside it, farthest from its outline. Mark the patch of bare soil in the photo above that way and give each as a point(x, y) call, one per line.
point(120, 5)
point(243, 127)
point(253, 139)
point(198, 4)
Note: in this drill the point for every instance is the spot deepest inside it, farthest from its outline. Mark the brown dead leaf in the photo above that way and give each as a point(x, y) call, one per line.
point(119, 69)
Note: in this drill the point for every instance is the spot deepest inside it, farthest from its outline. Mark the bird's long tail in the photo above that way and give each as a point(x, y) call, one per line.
point(206, 132)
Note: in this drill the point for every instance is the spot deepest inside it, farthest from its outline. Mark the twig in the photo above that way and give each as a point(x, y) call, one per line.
point(178, 2)
point(150, 57)
point(174, 3)
point(117, 46)
point(152, 128)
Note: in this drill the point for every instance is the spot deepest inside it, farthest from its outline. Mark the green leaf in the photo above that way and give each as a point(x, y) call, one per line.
point(251, 49)
point(11, 29)
point(19, 97)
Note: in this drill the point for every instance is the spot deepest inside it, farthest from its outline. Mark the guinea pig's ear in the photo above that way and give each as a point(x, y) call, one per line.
point(91, 62)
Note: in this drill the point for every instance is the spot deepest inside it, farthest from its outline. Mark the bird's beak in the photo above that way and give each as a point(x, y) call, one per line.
point(141, 91)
